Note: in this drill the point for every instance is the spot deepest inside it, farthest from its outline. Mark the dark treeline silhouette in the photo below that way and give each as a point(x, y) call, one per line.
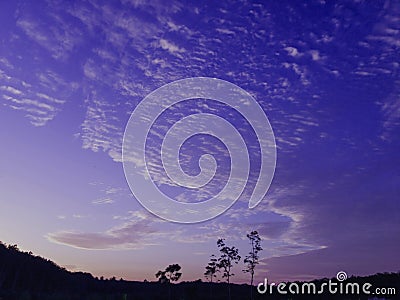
point(24, 276)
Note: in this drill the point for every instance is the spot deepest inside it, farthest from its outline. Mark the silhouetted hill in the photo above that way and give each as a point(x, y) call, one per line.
point(26, 276)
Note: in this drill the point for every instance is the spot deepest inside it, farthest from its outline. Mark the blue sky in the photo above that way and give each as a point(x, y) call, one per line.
point(325, 73)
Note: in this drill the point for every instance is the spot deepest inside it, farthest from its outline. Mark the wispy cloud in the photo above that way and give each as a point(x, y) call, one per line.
point(130, 235)
point(170, 47)
point(387, 29)
point(391, 111)
point(99, 132)
point(36, 101)
point(59, 39)
point(292, 51)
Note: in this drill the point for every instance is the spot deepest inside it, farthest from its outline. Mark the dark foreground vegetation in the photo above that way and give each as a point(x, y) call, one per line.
point(26, 276)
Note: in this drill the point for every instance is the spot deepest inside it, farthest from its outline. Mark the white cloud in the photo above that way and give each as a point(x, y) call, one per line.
point(301, 71)
point(225, 31)
point(59, 39)
point(99, 132)
point(292, 51)
point(133, 234)
point(34, 100)
point(315, 55)
point(391, 113)
point(103, 201)
point(170, 47)
point(11, 90)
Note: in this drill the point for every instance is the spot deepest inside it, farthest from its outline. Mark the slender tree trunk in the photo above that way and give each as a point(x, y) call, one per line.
point(229, 288)
point(251, 286)
point(252, 270)
point(229, 284)
point(211, 287)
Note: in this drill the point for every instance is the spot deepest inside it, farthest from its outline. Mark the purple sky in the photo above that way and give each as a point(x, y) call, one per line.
point(326, 75)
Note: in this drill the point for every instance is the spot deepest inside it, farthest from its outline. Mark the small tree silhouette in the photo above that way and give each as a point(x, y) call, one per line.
point(211, 269)
point(251, 260)
point(172, 272)
point(169, 275)
point(229, 255)
point(161, 277)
